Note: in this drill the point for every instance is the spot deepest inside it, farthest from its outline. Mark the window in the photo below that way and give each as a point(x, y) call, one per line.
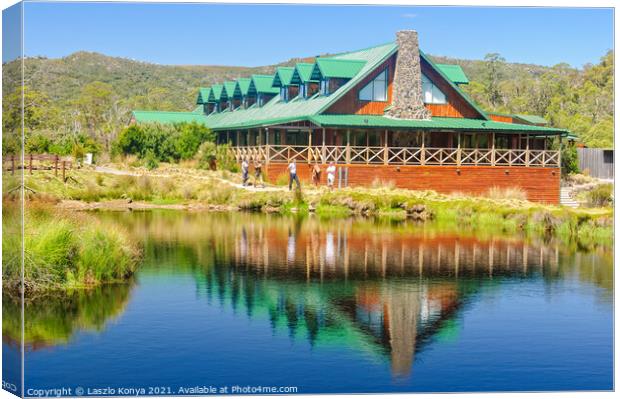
point(325, 87)
point(376, 90)
point(284, 93)
point(303, 90)
point(259, 100)
point(432, 94)
point(608, 156)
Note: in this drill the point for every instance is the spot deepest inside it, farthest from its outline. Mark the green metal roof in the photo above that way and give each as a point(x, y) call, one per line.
point(262, 84)
point(229, 88)
point(454, 72)
point(283, 76)
point(302, 73)
point(336, 68)
point(242, 86)
point(435, 123)
point(216, 93)
point(203, 95)
point(168, 117)
point(535, 119)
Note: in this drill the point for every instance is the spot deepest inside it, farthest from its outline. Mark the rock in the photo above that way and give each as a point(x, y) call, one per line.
point(129, 200)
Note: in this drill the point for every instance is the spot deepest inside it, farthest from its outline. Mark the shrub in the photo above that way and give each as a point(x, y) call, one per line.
point(211, 156)
point(570, 163)
point(601, 195)
point(150, 160)
point(165, 142)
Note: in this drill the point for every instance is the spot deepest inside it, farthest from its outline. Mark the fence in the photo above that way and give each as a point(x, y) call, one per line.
point(400, 155)
point(32, 162)
point(597, 161)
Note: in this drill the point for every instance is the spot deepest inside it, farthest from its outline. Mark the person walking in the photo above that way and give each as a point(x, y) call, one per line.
point(245, 166)
point(331, 175)
point(316, 174)
point(258, 173)
point(292, 175)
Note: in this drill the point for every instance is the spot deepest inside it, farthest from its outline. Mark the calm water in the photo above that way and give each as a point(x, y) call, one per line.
point(339, 306)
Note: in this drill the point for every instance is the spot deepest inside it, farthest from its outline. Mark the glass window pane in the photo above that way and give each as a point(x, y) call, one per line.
point(366, 92)
point(438, 96)
point(380, 92)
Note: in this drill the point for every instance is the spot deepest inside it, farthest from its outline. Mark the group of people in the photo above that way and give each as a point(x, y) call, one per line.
point(292, 172)
point(258, 172)
point(331, 175)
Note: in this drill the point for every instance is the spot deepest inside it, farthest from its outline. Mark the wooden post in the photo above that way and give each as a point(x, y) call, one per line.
point(310, 155)
point(348, 148)
point(12, 164)
point(238, 137)
point(423, 151)
point(493, 149)
point(63, 172)
point(386, 155)
point(323, 149)
point(56, 165)
point(458, 149)
point(560, 154)
point(266, 145)
point(30, 164)
point(527, 150)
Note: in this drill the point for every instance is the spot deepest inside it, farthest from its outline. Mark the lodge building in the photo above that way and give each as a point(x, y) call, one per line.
point(385, 113)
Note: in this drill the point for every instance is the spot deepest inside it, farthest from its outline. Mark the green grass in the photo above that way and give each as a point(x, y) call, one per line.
point(62, 250)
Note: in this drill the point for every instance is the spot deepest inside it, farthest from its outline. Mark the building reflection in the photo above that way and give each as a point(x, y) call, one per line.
point(384, 293)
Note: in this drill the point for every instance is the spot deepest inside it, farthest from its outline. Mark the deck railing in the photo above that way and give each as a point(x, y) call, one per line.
point(400, 155)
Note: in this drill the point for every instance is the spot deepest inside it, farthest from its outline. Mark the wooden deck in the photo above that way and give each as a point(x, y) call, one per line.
point(405, 156)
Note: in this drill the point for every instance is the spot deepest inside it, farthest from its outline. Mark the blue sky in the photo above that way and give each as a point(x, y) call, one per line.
point(254, 35)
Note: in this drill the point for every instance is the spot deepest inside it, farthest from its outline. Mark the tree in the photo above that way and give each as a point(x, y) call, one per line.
point(494, 73)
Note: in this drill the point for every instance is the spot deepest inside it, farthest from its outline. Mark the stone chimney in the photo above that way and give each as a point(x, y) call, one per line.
point(407, 100)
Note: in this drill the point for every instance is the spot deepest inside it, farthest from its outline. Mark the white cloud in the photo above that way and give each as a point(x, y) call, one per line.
point(409, 15)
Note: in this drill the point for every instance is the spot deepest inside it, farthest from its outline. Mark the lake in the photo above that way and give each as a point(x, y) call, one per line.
point(348, 305)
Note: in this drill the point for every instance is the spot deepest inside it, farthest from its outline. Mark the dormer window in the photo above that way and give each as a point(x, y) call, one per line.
point(375, 90)
point(284, 93)
point(259, 100)
point(303, 90)
point(432, 94)
point(324, 87)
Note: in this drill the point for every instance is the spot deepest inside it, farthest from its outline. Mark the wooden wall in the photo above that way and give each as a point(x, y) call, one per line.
point(350, 104)
point(501, 118)
point(540, 184)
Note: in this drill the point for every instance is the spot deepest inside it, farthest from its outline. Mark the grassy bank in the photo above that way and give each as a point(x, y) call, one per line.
point(499, 210)
point(62, 250)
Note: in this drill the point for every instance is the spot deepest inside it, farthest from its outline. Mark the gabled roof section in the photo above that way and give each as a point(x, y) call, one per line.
point(302, 73)
point(229, 89)
point(283, 76)
point(242, 86)
point(336, 68)
point(454, 72)
point(454, 86)
point(203, 95)
point(216, 93)
point(262, 84)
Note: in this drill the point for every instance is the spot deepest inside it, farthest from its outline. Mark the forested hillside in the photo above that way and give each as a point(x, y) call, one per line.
point(85, 99)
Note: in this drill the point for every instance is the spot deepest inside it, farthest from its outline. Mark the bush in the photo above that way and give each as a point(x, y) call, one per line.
point(163, 143)
point(570, 163)
point(601, 195)
point(211, 156)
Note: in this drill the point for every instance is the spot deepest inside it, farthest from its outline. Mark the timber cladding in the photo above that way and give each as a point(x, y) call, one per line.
point(540, 184)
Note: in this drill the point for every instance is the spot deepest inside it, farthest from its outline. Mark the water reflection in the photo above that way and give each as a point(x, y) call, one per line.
point(383, 289)
point(53, 318)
